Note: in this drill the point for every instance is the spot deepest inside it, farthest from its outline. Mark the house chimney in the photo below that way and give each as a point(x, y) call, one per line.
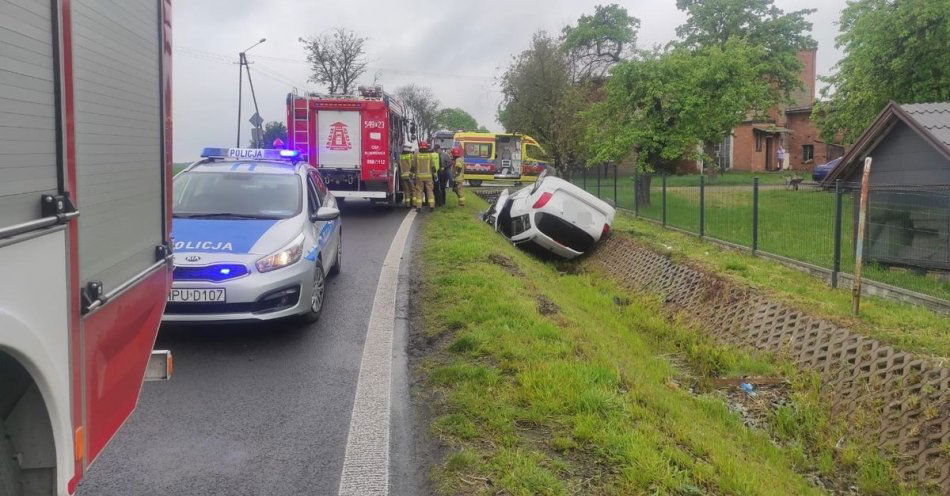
point(806, 97)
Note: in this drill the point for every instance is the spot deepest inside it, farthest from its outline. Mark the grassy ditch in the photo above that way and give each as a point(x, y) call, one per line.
point(904, 326)
point(545, 381)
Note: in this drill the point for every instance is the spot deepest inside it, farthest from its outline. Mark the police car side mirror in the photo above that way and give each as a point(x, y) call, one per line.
point(325, 213)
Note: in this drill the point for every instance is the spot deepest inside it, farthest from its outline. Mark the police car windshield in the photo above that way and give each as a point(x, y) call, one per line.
point(236, 195)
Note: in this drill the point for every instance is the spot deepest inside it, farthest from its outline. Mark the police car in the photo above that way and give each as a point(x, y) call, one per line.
point(255, 234)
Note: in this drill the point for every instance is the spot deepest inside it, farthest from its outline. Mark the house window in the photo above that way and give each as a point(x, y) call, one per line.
point(808, 153)
point(758, 141)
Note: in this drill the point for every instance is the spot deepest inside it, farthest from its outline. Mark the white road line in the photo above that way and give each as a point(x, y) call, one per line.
point(366, 463)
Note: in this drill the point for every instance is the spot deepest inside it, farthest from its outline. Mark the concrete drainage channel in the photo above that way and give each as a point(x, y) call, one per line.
point(907, 396)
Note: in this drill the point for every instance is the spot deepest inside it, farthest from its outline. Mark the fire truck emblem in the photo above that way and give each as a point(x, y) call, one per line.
point(339, 139)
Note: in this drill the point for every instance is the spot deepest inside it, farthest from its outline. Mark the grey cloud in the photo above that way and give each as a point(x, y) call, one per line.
point(457, 48)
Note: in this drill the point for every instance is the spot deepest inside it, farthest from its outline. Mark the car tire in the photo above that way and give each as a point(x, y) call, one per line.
point(475, 182)
point(338, 260)
point(317, 294)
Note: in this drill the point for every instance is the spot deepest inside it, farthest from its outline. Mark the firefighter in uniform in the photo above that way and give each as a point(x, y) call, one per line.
point(458, 174)
point(406, 167)
point(426, 164)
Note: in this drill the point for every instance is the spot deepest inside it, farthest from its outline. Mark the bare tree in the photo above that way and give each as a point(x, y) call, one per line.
point(422, 105)
point(337, 59)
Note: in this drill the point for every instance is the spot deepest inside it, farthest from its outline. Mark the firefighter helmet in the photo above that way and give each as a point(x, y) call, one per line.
point(423, 145)
point(406, 148)
point(456, 152)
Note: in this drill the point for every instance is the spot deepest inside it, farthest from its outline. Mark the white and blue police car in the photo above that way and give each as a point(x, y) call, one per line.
point(255, 234)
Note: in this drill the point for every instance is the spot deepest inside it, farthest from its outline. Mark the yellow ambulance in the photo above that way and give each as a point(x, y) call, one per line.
point(501, 157)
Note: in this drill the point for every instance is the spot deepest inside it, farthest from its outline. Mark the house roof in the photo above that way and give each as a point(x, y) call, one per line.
point(930, 120)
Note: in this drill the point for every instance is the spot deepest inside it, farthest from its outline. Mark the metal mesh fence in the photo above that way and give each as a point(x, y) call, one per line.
point(907, 239)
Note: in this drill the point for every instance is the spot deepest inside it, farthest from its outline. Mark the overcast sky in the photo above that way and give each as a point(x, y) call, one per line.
point(458, 49)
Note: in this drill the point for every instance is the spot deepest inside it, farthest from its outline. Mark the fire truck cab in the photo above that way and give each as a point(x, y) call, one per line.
point(85, 264)
point(354, 141)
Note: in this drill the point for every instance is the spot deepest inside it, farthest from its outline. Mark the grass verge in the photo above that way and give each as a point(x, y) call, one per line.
point(550, 382)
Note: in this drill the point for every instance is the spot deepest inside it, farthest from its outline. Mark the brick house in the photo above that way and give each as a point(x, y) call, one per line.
point(754, 144)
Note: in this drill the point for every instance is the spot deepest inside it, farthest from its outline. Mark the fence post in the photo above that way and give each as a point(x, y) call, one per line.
point(702, 205)
point(664, 200)
point(755, 215)
point(836, 261)
point(636, 192)
point(615, 185)
point(598, 181)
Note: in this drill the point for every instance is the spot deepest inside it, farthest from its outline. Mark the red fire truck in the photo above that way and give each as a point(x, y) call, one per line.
point(85, 264)
point(354, 141)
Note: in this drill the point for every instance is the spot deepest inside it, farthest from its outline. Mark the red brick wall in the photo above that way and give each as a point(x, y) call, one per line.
point(744, 155)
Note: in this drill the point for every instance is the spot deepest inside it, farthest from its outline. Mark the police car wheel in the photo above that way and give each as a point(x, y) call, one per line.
point(338, 261)
point(317, 294)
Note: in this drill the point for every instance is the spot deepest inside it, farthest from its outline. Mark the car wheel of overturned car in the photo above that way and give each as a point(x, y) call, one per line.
point(317, 294)
point(338, 260)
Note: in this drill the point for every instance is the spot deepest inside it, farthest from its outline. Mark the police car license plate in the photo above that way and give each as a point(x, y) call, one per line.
point(197, 295)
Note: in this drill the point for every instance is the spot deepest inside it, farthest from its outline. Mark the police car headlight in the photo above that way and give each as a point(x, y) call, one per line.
point(287, 255)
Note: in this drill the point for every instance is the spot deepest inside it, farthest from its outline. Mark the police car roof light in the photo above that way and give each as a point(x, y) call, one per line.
point(250, 153)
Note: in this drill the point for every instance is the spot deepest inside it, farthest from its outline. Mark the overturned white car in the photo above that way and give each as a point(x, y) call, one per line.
point(551, 216)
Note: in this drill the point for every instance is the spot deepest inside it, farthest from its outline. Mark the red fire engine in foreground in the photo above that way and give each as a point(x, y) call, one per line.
point(85, 212)
point(354, 141)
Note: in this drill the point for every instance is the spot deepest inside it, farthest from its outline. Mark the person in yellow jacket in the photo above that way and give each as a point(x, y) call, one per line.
point(427, 164)
point(406, 166)
point(458, 174)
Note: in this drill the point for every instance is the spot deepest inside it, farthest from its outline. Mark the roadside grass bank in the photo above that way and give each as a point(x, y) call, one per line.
point(546, 380)
point(904, 326)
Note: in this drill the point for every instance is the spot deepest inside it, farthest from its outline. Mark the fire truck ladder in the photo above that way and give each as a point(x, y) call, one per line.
point(301, 123)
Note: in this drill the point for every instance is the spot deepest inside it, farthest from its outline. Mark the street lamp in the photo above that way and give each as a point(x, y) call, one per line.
point(242, 63)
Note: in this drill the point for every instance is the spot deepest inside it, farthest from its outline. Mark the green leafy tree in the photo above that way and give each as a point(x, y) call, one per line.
point(892, 51)
point(664, 106)
point(538, 99)
point(599, 41)
point(455, 119)
point(760, 23)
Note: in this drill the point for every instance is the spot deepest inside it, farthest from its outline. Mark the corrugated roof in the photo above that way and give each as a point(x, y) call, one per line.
point(934, 117)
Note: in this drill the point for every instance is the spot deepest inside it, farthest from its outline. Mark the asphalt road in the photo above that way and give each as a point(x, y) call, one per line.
point(257, 409)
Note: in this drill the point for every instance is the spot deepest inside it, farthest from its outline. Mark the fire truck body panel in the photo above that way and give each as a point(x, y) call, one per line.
point(85, 171)
point(353, 142)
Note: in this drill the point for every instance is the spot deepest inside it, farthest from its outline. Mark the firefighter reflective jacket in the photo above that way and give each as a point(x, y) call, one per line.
point(406, 162)
point(458, 169)
point(427, 164)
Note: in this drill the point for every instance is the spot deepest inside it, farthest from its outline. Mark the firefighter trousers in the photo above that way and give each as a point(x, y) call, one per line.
point(424, 186)
point(460, 191)
point(408, 191)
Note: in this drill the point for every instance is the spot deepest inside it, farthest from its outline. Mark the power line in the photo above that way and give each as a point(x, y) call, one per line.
point(407, 72)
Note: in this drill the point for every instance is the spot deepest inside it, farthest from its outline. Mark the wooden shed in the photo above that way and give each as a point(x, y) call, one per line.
point(909, 200)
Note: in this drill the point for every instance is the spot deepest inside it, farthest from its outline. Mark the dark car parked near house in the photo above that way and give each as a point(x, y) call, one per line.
point(820, 171)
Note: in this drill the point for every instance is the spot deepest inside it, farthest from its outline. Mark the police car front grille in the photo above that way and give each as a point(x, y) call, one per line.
point(207, 308)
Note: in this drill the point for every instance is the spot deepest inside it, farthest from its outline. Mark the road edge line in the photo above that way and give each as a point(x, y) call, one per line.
point(366, 461)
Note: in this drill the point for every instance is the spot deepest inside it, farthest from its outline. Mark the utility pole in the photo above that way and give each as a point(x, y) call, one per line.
point(242, 64)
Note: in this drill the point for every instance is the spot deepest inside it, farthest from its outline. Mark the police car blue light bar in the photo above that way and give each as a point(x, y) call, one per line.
point(250, 153)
